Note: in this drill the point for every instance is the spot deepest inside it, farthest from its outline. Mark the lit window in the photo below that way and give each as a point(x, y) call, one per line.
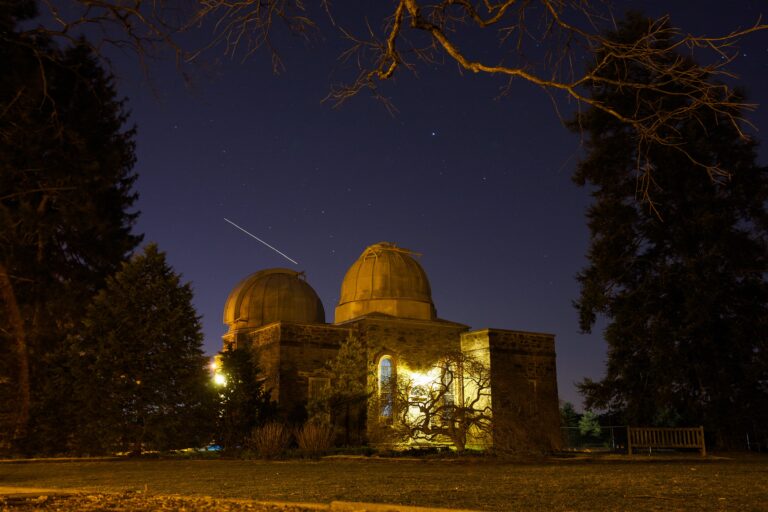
point(386, 385)
point(448, 389)
point(448, 386)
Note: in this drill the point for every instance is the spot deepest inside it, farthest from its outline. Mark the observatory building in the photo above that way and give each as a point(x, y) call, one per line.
point(386, 305)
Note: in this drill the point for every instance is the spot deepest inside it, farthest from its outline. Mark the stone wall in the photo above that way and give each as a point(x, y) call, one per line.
point(413, 345)
point(416, 344)
point(522, 364)
point(289, 354)
point(304, 351)
point(523, 389)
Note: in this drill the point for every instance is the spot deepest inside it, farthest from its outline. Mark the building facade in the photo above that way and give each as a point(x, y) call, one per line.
point(503, 377)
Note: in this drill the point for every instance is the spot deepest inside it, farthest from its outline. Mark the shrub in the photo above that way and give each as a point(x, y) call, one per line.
point(314, 438)
point(270, 440)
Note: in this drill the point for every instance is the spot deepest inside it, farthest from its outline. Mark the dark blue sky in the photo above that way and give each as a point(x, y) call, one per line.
point(480, 186)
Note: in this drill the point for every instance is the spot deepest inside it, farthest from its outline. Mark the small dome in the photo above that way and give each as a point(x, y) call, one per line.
point(385, 279)
point(272, 295)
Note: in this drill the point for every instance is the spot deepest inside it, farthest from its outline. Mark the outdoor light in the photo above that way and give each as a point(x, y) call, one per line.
point(219, 378)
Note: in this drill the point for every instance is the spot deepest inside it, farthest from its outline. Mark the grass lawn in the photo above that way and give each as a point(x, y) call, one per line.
point(595, 483)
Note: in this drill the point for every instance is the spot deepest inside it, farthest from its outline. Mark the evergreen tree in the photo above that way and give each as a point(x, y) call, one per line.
point(141, 378)
point(569, 418)
point(65, 192)
point(682, 284)
point(346, 398)
point(244, 402)
point(589, 425)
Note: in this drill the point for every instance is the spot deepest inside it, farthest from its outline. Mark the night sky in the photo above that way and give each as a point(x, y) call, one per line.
point(479, 186)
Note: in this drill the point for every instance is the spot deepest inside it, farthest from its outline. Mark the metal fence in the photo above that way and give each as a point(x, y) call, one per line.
point(612, 438)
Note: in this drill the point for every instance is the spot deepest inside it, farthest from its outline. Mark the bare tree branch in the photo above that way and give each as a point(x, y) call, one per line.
point(447, 404)
point(561, 46)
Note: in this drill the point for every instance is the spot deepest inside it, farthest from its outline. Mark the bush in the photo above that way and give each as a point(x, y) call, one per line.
point(314, 438)
point(270, 440)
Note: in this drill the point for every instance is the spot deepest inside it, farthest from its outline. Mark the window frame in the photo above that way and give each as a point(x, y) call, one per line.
point(386, 389)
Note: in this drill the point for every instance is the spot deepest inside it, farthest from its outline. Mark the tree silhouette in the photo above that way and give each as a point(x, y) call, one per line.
point(244, 403)
point(66, 162)
point(541, 42)
point(141, 379)
point(681, 281)
point(343, 402)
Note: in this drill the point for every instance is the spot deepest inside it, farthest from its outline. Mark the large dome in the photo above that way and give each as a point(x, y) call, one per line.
point(272, 295)
point(385, 279)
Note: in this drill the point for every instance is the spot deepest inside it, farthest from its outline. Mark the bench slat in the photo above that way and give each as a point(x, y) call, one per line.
point(664, 437)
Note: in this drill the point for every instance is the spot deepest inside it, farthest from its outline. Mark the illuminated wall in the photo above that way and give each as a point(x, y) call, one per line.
point(386, 301)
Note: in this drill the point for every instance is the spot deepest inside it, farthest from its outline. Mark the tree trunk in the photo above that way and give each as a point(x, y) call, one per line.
point(19, 334)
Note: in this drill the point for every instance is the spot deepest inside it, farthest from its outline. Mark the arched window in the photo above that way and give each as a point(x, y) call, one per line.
point(449, 385)
point(448, 390)
point(386, 386)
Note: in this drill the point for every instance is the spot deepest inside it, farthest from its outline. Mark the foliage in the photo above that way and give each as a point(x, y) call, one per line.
point(66, 162)
point(314, 438)
point(243, 401)
point(344, 401)
point(452, 404)
point(270, 440)
point(589, 424)
point(681, 281)
point(139, 372)
point(568, 416)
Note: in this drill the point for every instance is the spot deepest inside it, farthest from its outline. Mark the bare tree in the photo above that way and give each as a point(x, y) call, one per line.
point(561, 46)
point(450, 402)
point(563, 36)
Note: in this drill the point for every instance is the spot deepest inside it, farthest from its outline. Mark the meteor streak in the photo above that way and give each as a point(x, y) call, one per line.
point(263, 242)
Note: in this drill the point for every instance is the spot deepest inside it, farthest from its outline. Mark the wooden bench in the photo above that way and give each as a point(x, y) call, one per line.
point(641, 437)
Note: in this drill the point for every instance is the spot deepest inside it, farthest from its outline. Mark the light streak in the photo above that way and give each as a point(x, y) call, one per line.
point(263, 242)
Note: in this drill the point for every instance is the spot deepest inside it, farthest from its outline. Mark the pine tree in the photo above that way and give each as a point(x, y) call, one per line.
point(244, 402)
point(140, 375)
point(66, 163)
point(344, 402)
point(589, 425)
point(349, 394)
point(682, 284)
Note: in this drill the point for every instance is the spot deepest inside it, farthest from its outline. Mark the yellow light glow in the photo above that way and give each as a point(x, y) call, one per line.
point(424, 379)
point(219, 379)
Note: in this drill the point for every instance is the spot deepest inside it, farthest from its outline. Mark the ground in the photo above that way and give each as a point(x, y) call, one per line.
point(545, 484)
